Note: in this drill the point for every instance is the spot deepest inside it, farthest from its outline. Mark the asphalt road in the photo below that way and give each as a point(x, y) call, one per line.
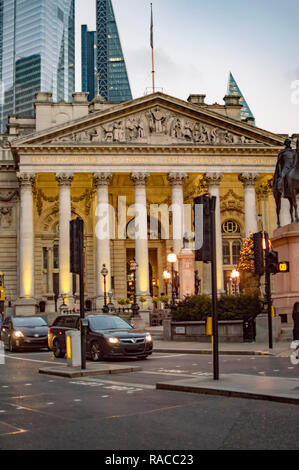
point(126, 412)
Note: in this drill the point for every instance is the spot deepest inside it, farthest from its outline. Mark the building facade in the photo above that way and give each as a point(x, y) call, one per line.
point(113, 79)
point(37, 53)
point(89, 70)
point(131, 172)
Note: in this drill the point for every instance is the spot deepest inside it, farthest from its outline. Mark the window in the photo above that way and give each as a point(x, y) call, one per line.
point(230, 226)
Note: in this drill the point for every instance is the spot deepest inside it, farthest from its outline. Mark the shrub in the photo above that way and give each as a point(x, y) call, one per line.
point(193, 308)
point(229, 307)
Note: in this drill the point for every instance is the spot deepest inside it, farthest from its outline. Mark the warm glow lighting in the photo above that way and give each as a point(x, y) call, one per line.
point(18, 334)
point(172, 258)
point(235, 274)
point(166, 275)
point(113, 340)
point(148, 338)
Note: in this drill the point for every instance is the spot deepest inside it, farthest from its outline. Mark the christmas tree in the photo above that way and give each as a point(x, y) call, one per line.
point(245, 261)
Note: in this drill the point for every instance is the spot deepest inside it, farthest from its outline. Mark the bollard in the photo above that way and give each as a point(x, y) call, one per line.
point(73, 348)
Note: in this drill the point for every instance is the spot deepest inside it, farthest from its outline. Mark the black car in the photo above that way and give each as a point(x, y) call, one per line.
point(108, 336)
point(24, 333)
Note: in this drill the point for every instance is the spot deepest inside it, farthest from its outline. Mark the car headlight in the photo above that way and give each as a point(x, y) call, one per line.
point(113, 340)
point(148, 338)
point(18, 334)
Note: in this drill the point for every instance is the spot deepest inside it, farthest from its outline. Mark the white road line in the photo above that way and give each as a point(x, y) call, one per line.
point(34, 360)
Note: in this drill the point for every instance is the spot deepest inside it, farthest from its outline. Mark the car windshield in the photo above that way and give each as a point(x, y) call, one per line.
point(103, 322)
point(29, 322)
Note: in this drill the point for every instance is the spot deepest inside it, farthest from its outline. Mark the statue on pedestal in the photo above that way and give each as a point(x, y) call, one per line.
point(286, 179)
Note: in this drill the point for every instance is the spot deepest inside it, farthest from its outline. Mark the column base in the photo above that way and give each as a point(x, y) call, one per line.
point(25, 307)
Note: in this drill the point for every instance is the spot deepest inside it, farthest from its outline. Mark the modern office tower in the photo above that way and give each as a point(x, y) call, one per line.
point(37, 53)
point(233, 89)
point(113, 79)
point(89, 62)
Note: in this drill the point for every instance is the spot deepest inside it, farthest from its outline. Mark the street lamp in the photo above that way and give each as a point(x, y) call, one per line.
point(104, 273)
point(172, 259)
point(166, 277)
point(135, 306)
point(235, 278)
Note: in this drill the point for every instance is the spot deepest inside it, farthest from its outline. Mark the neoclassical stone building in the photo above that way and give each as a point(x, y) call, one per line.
point(156, 151)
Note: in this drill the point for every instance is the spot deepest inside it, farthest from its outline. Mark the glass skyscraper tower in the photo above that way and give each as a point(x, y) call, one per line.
point(89, 62)
point(37, 53)
point(113, 79)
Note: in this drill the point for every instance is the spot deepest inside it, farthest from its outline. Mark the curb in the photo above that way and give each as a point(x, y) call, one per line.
point(72, 372)
point(207, 351)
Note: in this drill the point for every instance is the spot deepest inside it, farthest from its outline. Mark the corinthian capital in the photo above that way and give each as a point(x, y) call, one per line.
point(26, 179)
point(102, 179)
point(248, 179)
point(64, 179)
point(213, 178)
point(176, 178)
point(139, 179)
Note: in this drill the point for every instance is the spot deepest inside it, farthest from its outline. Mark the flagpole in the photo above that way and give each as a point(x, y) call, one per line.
point(152, 46)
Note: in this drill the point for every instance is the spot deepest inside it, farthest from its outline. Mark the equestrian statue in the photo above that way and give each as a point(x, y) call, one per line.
point(286, 179)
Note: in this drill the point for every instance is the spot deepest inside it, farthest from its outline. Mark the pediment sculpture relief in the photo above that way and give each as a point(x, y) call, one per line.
point(161, 124)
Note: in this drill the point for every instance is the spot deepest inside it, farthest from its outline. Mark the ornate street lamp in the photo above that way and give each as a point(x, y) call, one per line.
point(104, 273)
point(135, 306)
point(166, 276)
point(235, 279)
point(172, 259)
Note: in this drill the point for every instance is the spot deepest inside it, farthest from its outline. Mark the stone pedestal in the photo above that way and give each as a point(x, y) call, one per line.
point(186, 273)
point(138, 323)
point(262, 328)
point(25, 307)
point(286, 285)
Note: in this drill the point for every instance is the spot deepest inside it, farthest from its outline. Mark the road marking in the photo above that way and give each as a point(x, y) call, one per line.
point(35, 360)
point(113, 382)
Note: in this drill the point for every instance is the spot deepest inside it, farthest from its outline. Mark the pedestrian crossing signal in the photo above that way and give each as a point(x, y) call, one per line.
point(283, 267)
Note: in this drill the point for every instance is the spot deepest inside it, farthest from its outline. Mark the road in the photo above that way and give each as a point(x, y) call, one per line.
point(126, 412)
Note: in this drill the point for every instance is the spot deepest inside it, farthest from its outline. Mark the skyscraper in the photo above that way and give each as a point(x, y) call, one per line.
point(89, 62)
point(233, 89)
point(37, 53)
point(113, 79)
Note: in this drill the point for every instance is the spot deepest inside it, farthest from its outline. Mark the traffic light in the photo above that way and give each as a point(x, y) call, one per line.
point(272, 262)
point(203, 230)
point(258, 253)
point(76, 246)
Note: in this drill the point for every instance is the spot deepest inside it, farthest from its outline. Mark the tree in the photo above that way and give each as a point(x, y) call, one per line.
point(250, 280)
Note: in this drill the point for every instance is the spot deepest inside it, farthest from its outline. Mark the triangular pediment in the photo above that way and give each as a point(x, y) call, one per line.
point(154, 120)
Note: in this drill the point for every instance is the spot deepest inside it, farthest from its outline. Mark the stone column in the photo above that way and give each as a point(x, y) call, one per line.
point(50, 271)
point(26, 303)
point(65, 215)
point(141, 237)
point(248, 180)
point(214, 180)
point(178, 232)
point(102, 181)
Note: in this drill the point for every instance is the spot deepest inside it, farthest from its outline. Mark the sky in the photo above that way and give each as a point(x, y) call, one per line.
point(198, 42)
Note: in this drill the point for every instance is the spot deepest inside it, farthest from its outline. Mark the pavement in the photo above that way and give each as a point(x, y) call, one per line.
point(279, 389)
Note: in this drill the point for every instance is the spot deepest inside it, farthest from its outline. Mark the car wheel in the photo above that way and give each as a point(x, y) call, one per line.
point(96, 352)
point(57, 350)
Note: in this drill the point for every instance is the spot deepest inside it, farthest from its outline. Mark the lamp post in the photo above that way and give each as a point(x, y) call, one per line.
point(172, 259)
point(235, 278)
point(104, 273)
point(135, 306)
